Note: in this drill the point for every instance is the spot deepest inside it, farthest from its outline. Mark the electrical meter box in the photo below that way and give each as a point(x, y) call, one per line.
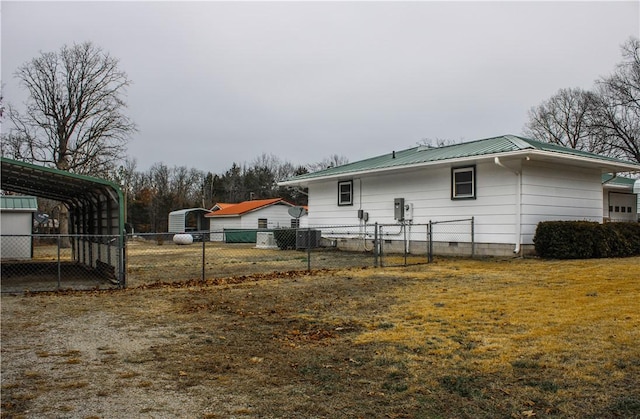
point(398, 209)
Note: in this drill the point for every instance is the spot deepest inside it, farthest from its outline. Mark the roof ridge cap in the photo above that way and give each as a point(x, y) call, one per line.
point(519, 142)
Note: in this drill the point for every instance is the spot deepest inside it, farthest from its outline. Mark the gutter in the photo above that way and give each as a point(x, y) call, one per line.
point(615, 176)
point(497, 161)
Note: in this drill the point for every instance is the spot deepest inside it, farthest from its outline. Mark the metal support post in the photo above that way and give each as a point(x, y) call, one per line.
point(59, 267)
point(375, 246)
point(473, 241)
point(203, 256)
point(430, 241)
point(308, 248)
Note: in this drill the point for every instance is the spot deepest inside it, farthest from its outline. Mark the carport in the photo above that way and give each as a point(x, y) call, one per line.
point(96, 212)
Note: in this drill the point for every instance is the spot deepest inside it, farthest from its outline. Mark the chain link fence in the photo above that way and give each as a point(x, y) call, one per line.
point(53, 262)
point(452, 238)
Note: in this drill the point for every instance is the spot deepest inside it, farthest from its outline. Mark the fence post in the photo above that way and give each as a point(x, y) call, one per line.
point(430, 241)
point(380, 237)
point(473, 241)
point(427, 243)
point(59, 267)
point(123, 260)
point(308, 248)
point(404, 245)
point(203, 255)
point(375, 246)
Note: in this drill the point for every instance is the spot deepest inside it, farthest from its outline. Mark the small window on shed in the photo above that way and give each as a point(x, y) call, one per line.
point(262, 223)
point(295, 223)
point(463, 183)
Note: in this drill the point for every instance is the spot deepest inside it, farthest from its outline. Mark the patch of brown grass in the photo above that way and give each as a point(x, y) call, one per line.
point(456, 338)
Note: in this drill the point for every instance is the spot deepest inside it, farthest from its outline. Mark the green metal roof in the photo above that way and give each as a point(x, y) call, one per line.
point(609, 179)
point(505, 144)
point(99, 197)
point(18, 203)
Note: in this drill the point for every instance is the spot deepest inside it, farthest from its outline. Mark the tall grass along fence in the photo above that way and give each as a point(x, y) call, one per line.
point(96, 261)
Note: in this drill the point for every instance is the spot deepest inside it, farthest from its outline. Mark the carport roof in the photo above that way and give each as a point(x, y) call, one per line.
point(30, 179)
point(99, 198)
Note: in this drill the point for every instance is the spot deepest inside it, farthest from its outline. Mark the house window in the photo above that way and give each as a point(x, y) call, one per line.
point(345, 192)
point(262, 223)
point(295, 223)
point(463, 183)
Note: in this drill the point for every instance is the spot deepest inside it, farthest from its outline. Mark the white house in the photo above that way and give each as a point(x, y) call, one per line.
point(508, 184)
point(16, 225)
point(260, 214)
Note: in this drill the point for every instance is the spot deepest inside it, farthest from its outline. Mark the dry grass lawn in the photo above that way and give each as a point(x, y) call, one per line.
point(456, 338)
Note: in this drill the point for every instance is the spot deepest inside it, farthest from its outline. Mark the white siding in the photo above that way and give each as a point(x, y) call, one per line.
point(277, 216)
point(548, 193)
point(429, 190)
point(217, 225)
point(552, 192)
point(176, 223)
point(15, 223)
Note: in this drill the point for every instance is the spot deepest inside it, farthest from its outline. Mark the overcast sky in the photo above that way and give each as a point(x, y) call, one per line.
point(222, 82)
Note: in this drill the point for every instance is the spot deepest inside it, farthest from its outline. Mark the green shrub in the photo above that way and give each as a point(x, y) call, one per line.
point(565, 239)
point(623, 239)
point(585, 239)
point(285, 238)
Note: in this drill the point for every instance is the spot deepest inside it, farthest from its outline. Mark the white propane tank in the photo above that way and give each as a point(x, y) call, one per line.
point(183, 239)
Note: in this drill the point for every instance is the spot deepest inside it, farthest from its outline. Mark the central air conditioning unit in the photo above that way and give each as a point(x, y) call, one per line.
point(306, 239)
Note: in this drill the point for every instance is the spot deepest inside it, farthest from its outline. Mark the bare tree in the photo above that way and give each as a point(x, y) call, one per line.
point(436, 142)
point(332, 161)
point(73, 118)
point(605, 121)
point(566, 119)
point(618, 118)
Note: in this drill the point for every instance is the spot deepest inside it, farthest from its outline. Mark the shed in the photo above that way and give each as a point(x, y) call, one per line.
point(188, 219)
point(16, 225)
point(239, 223)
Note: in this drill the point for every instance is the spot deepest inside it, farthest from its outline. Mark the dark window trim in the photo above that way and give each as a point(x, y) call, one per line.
point(472, 169)
point(350, 183)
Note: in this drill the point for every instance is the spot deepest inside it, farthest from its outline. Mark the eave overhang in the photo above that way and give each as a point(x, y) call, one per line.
point(604, 165)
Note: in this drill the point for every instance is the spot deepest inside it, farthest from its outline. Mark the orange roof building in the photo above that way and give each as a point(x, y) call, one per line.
point(249, 215)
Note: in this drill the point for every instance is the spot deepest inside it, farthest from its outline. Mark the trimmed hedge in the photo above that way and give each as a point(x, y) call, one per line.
point(285, 238)
point(585, 239)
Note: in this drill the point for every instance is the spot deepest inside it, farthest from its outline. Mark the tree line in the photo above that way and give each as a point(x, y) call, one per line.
point(151, 194)
point(74, 120)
